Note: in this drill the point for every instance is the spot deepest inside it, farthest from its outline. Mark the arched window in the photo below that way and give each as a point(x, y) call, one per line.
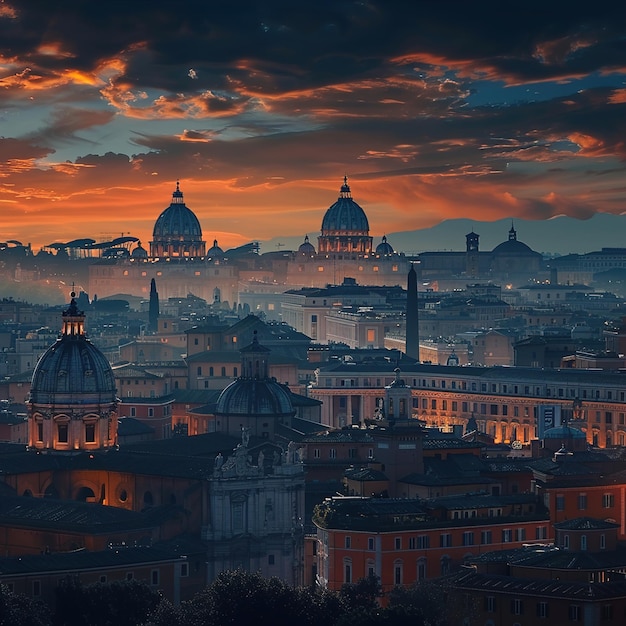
point(148, 500)
point(85, 494)
point(210, 371)
point(223, 371)
point(421, 569)
point(347, 570)
point(62, 432)
point(397, 572)
point(445, 565)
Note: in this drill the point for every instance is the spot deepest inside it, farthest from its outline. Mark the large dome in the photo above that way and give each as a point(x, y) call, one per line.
point(73, 370)
point(177, 220)
point(513, 247)
point(345, 229)
point(345, 216)
point(177, 231)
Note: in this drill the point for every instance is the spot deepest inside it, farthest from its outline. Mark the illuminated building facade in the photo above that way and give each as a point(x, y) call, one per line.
point(506, 402)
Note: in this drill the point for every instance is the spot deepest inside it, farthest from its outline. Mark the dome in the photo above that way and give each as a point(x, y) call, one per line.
point(139, 252)
point(177, 231)
point(563, 433)
point(73, 370)
point(345, 215)
point(177, 220)
point(513, 247)
point(254, 397)
point(254, 393)
point(384, 248)
point(215, 252)
point(306, 248)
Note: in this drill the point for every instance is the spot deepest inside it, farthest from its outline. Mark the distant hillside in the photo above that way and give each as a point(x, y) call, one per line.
point(561, 235)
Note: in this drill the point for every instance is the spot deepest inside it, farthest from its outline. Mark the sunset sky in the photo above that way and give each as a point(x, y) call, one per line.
point(434, 110)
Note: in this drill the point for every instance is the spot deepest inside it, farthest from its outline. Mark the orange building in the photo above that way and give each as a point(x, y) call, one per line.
point(403, 541)
point(580, 579)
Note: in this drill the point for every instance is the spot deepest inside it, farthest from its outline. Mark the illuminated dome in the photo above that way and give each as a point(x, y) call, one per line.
point(72, 404)
point(177, 231)
point(254, 401)
point(72, 367)
point(345, 215)
point(345, 228)
point(306, 247)
point(384, 248)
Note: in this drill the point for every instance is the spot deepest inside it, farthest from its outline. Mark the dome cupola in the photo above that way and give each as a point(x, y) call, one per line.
point(345, 228)
point(254, 401)
point(384, 248)
point(73, 401)
point(215, 252)
point(306, 247)
point(139, 253)
point(177, 231)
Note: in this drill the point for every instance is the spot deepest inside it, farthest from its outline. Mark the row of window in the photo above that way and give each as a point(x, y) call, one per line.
point(132, 411)
point(542, 609)
point(63, 432)
point(155, 579)
point(398, 569)
point(608, 501)
point(212, 371)
point(469, 538)
point(495, 388)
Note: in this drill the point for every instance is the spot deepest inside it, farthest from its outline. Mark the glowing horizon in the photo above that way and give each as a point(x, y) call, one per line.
point(434, 114)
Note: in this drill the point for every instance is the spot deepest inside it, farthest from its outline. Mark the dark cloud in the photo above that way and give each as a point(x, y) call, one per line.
point(261, 94)
point(325, 40)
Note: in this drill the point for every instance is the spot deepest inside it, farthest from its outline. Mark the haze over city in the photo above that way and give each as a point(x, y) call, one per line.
point(434, 111)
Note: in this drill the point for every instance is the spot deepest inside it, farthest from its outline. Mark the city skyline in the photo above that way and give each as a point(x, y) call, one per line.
point(434, 112)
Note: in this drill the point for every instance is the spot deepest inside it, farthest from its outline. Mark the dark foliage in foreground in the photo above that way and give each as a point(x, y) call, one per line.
point(232, 599)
